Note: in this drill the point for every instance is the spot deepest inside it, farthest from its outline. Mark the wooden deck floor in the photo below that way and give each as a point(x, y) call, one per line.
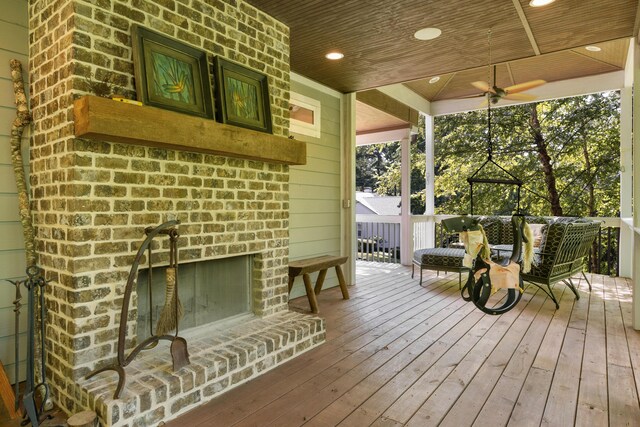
point(400, 354)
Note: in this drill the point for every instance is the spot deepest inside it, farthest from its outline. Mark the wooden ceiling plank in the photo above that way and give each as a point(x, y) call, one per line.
point(636, 25)
point(575, 52)
point(513, 81)
point(377, 37)
point(525, 25)
point(444, 85)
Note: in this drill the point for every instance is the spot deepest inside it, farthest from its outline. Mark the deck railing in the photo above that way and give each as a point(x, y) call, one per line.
point(379, 240)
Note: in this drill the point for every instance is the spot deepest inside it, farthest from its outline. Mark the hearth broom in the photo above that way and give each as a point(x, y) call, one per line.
point(172, 310)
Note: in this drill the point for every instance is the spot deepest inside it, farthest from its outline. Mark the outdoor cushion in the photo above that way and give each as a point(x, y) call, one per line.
point(440, 257)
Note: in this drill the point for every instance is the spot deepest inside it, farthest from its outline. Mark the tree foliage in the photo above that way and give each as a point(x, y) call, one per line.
point(574, 142)
point(566, 151)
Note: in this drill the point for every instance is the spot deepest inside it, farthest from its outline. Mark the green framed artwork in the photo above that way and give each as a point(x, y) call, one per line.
point(170, 74)
point(242, 96)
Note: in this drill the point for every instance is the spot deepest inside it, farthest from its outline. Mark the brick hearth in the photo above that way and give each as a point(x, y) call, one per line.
point(219, 361)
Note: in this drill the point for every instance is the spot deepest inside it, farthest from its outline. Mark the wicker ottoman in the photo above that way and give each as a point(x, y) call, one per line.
point(439, 259)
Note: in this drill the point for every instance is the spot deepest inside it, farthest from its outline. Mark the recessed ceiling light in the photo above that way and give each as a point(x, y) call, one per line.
point(427, 33)
point(538, 3)
point(593, 48)
point(434, 79)
point(334, 55)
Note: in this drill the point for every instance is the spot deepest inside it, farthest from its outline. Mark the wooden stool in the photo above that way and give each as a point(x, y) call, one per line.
point(321, 264)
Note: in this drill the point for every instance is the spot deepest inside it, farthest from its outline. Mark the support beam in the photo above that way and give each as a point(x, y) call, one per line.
point(408, 97)
point(389, 105)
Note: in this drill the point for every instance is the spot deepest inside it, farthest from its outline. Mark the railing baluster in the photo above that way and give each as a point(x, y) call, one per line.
point(599, 252)
point(608, 251)
point(379, 240)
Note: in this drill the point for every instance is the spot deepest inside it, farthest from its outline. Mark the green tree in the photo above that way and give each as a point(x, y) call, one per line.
point(565, 151)
point(372, 162)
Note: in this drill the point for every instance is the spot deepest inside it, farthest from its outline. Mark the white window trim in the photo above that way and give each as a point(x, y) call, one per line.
point(301, 127)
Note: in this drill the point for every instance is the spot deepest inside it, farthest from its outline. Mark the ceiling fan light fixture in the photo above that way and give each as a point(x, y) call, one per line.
point(433, 80)
point(540, 3)
point(593, 48)
point(427, 33)
point(334, 56)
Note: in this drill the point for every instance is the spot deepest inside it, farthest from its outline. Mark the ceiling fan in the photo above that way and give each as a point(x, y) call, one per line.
point(495, 93)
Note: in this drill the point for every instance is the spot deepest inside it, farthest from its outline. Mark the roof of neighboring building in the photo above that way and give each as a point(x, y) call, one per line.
point(380, 205)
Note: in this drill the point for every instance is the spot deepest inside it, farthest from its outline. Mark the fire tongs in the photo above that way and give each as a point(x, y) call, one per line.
point(179, 352)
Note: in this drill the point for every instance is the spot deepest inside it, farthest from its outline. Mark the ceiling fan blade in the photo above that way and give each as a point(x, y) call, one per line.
point(483, 86)
point(520, 97)
point(524, 86)
point(478, 95)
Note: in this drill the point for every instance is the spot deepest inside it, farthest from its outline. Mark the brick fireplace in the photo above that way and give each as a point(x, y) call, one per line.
point(92, 200)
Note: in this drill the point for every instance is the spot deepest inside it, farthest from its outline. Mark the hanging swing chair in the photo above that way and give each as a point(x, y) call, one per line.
point(489, 280)
point(510, 179)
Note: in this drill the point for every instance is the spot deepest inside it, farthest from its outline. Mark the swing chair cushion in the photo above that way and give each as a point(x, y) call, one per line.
point(443, 259)
point(500, 232)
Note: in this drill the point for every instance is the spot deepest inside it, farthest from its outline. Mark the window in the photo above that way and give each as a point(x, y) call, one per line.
point(304, 113)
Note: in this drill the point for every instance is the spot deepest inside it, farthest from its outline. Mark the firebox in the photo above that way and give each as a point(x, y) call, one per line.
point(210, 291)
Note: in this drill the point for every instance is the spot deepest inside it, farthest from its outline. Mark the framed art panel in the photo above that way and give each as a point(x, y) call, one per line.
point(242, 96)
point(170, 74)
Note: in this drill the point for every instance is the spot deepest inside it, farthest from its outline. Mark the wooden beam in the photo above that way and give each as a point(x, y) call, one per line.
point(107, 120)
point(389, 105)
point(525, 25)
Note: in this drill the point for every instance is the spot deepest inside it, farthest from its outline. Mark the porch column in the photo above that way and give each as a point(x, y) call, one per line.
point(348, 185)
point(636, 189)
point(430, 180)
point(406, 230)
point(626, 170)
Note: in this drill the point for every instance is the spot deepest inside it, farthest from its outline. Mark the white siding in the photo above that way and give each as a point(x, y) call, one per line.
point(13, 45)
point(315, 190)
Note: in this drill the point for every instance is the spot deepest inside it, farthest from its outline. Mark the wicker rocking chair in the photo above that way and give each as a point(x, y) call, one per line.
point(562, 254)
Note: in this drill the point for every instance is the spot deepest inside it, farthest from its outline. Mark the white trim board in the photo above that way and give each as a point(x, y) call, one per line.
point(382, 136)
point(553, 90)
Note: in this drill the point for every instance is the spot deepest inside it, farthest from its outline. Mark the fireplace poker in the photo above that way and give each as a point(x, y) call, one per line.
point(16, 309)
point(28, 398)
point(41, 283)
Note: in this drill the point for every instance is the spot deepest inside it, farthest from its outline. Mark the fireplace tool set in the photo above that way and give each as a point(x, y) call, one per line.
point(34, 283)
point(169, 316)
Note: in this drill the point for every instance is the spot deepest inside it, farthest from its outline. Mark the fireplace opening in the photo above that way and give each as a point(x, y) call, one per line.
point(210, 291)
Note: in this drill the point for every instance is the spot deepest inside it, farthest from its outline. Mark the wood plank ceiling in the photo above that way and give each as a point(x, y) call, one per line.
point(528, 43)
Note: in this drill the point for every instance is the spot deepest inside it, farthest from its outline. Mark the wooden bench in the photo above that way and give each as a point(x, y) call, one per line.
point(321, 264)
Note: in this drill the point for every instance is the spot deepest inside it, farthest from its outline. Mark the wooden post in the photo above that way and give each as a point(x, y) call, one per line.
point(7, 393)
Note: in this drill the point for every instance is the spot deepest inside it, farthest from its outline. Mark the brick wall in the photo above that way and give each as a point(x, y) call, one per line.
point(92, 200)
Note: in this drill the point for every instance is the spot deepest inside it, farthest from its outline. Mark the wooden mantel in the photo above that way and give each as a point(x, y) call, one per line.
point(107, 120)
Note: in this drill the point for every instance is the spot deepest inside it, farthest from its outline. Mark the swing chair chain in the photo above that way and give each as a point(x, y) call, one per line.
point(490, 142)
